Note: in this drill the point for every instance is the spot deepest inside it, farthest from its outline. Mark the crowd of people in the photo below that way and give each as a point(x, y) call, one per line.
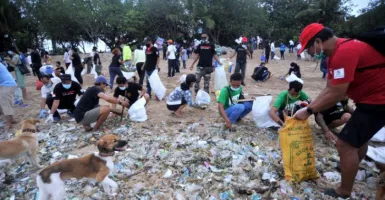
point(331, 107)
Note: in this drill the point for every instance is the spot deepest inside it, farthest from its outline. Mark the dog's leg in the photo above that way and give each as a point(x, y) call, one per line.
point(34, 159)
point(109, 186)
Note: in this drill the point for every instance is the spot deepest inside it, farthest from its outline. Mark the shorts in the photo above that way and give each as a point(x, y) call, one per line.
point(91, 116)
point(6, 100)
point(176, 107)
point(365, 122)
point(333, 116)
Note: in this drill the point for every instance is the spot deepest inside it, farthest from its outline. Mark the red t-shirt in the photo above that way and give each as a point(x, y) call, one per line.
point(366, 86)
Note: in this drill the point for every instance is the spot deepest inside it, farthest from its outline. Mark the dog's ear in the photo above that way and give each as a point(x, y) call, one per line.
point(101, 144)
point(380, 166)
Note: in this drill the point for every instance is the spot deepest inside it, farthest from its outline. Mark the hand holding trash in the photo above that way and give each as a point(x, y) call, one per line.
point(124, 103)
point(228, 124)
point(302, 114)
point(49, 118)
point(43, 113)
point(330, 137)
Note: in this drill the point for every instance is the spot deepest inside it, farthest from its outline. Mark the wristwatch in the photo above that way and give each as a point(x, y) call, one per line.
point(309, 110)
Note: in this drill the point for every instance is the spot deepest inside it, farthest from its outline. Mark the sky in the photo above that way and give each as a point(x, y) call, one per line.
point(359, 4)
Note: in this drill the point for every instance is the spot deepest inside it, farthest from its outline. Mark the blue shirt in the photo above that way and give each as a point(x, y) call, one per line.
point(282, 48)
point(6, 78)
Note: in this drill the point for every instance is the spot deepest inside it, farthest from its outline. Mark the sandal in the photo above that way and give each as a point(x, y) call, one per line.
point(332, 193)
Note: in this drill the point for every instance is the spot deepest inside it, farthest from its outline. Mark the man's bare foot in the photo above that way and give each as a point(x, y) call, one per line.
point(179, 114)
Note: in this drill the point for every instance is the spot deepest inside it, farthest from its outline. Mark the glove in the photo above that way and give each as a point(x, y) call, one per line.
point(49, 118)
point(43, 113)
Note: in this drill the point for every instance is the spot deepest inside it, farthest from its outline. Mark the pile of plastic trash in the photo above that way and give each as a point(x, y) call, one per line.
point(183, 161)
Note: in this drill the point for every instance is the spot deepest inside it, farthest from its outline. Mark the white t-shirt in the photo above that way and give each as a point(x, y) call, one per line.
point(48, 90)
point(29, 60)
point(291, 42)
point(67, 57)
point(272, 46)
point(299, 46)
point(172, 50)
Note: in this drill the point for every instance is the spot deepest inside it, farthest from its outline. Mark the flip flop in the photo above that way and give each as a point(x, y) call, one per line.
point(332, 193)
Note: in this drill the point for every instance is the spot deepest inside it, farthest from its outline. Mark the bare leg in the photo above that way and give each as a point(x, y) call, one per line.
point(362, 151)
point(25, 93)
point(34, 159)
point(104, 112)
point(179, 111)
point(349, 161)
point(339, 122)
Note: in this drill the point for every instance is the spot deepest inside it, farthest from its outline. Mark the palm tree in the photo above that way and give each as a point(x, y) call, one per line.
point(322, 11)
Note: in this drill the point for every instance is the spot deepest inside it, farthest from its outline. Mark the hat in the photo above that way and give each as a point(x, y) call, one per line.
point(48, 69)
point(102, 79)
point(244, 39)
point(65, 77)
point(308, 33)
point(191, 78)
point(170, 41)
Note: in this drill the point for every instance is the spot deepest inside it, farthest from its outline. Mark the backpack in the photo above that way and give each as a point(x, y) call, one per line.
point(375, 38)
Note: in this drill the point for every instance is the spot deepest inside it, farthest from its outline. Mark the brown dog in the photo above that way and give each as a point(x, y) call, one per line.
point(24, 144)
point(380, 194)
point(97, 166)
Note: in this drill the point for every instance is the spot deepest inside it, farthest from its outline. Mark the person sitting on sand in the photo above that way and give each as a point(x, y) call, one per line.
point(229, 108)
point(261, 73)
point(334, 117)
point(46, 92)
point(88, 109)
point(289, 101)
point(295, 69)
point(182, 96)
point(130, 91)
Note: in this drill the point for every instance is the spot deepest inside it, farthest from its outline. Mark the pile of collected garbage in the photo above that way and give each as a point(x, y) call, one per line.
point(181, 160)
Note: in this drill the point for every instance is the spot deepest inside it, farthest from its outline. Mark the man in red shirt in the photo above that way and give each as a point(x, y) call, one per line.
point(358, 70)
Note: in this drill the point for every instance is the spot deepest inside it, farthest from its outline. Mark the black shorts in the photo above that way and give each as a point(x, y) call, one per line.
point(365, 122)
point(176, 107)
point(333, 116)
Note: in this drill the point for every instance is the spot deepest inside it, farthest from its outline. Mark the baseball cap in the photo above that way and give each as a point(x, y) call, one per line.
point(101, 79)
point(308, 33)
point(48, 69)
point(244, 39)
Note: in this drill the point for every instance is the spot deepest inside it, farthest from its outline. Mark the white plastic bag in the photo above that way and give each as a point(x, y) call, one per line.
point(379, 136)
point(276, 58)
point(71, 72)
point(203, 98)
point(157, 85)
point(128, 75)
point(220, 78)
point(377, 154)
point(18, 95)
point(77, 101)
point(93, 71)
point(137, 111)
point(84, 71)
point(292, 78)
point(261, 107)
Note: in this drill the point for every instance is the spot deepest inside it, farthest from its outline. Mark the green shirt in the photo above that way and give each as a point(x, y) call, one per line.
point(280, 102)
point(224, 97)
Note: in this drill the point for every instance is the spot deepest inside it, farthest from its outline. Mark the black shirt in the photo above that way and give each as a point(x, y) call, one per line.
point(96, 59)
point(339, 107)
point(89, 101)
point(115, 61)
point(131, 91)
point(67, 97)
point(206, 53)
point(152, 55)
point(76, 62)
point(258, 72)
point(241, 53)
point(35, 58)
point(296, 70)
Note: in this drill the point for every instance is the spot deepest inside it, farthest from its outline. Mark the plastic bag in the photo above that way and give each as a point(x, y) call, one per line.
point(137, 111)
point(293, 77)
point(128, 75)
point(18, 95)
point(297, 148)
point(376, 153)
point(203, 98)
point(261, 107)
point(71, 71)
point(77, 101)
point(379, 136)
point(84, 72)
point(220, 78)
point(93, 71)
point(157, 85)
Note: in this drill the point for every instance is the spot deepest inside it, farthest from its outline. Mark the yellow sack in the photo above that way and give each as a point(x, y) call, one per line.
point(297, 150)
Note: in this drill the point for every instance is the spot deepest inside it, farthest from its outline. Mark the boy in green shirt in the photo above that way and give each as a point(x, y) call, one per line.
point(228, 105)
point(287, 101)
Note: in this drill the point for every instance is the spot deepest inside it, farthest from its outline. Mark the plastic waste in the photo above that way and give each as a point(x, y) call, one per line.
point(157, 85)
point(203, 98)
point(260, 111)
point(333, 176)
point(361, 175)
point(379, 136)
point(137, 111)
point(376, 153)
point(226, 195)
point(220, 78)
point(71, 71)
point(128, 75)
point(167, 174)
point(286, 188)
point(93, 71)
point(293, 77)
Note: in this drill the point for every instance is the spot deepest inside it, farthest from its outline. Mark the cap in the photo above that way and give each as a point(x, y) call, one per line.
point(308, 33)
point(65, 77)
point(101, 79)
point(48, 69)
point(170, 41)
point(191, 78)
point(244, 39)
